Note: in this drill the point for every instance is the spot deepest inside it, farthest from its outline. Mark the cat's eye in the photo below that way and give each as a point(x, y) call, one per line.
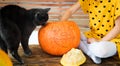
point(37, 14)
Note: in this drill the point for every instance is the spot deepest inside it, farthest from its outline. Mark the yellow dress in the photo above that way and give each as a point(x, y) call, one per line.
point(102, 16)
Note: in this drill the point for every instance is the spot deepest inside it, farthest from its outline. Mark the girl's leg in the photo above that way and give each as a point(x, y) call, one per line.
point(84, 47)
point(103, 49)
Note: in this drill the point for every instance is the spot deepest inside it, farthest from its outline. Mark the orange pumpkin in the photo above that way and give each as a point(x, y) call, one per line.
point(57, 38)
point(4, 59)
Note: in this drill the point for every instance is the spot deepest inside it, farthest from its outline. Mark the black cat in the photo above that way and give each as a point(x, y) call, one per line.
point(16, 25)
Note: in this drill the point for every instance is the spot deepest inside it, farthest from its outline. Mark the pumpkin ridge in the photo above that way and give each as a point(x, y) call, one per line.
point(4, 59)
point(57, 38)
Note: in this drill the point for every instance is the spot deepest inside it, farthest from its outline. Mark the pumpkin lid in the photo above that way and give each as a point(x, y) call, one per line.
point(74, 57)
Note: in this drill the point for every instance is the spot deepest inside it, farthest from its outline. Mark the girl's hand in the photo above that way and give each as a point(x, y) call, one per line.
point(68, 13)
point(91, 40)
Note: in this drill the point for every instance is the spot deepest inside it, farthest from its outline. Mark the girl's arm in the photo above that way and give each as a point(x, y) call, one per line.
point(114, 32)
point(70, 11)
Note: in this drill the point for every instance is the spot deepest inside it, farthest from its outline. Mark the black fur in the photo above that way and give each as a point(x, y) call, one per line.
point(16, 25)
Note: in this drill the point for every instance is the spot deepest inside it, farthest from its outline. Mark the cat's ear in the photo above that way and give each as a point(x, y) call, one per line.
point(47, 9)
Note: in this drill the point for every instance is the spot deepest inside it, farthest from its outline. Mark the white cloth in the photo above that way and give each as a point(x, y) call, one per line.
point(103, 49)
point(97, 50)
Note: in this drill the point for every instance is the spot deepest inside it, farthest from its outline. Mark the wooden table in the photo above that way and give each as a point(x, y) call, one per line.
point(40, 58)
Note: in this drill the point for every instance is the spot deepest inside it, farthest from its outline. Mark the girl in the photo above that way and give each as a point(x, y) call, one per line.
point(104, 17)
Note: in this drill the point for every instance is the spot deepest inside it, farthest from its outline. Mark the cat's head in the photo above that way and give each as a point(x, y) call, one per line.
point(40, 16)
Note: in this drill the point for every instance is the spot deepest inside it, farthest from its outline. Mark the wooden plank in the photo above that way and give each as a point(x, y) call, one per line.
point(58, 7)
point(35, 5)
point(40, 58)
point(38, 0)
point(39, 3)
point(73, 17)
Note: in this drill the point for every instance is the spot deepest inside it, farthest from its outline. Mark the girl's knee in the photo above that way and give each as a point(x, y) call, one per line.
point(103, 49)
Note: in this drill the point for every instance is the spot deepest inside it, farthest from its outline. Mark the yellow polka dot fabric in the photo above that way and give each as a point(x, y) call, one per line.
point(102, 16)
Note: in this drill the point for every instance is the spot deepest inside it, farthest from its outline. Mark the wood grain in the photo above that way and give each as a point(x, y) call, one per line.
point(40, 58)
point(58, 7)
point(38, 0)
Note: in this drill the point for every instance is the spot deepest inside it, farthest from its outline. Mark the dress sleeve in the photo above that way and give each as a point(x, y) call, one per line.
point(117, 9)
point(84, 5)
